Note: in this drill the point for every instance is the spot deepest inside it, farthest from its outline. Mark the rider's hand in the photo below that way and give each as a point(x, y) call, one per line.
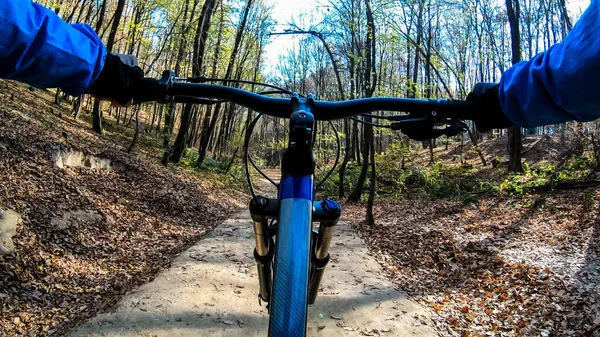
point(487, 106)
point(117, 79)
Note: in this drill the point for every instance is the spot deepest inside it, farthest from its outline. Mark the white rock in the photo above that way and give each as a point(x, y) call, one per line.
point(9, 220)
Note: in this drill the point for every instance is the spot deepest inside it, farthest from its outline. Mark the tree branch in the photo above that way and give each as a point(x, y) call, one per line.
point(319, 35)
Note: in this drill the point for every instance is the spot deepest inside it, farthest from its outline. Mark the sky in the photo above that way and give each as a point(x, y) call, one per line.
point(303, 13)
point(576, 7)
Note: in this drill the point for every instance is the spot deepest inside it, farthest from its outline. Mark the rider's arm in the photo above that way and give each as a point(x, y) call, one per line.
point(560, 84)
point(39, 48)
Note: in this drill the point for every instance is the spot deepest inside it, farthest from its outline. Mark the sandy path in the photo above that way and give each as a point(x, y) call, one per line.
point(212, 290)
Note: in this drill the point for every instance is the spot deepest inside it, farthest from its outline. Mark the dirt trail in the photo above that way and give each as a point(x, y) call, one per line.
point(211, 290)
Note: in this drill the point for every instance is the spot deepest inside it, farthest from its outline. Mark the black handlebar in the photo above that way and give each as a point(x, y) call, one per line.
point(322, 110)
point(168, 90)
point(418, 124)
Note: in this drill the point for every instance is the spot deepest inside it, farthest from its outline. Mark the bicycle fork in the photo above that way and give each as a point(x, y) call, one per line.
point(325, 212)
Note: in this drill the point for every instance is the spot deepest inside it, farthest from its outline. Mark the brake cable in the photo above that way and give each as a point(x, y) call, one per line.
point(337, 156)
point(400, 121)
point(247, 154)
point(370, 123)
point(203, 79)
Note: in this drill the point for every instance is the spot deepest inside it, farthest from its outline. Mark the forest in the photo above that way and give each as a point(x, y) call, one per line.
point(495, 233)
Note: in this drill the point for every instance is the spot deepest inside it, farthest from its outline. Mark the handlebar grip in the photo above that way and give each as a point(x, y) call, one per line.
point(150, 89)
point(146, 90)
point(460, 110)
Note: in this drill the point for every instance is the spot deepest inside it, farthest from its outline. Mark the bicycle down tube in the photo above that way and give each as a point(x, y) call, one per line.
point(292, 249)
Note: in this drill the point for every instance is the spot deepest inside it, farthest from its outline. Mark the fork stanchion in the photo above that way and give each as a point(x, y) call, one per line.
point(327, 213)
point(263, 265)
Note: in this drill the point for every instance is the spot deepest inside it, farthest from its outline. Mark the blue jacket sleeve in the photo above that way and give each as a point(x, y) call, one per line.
point(37, 47)
point(560, 84)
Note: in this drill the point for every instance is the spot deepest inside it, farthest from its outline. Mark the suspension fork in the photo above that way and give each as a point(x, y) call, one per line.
point(261, 210)
point(326, 212)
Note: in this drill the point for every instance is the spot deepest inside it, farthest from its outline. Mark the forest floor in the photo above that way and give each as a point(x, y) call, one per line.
point(500, 264)
point(85, 237)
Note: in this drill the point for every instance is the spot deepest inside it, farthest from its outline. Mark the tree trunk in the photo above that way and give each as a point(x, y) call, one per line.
point(137, 129)
point(97, 117)
point(160, 114)
point(154, 111)
point(341, 192)
point(57, 97)
point(356, 147)
point(118, 115)
point(75, 7)
point(565, 17)
point(182, 136)
point(515, 143)
point(100, 21)
point(96, 113)
point(413, 91)
point(170, 114)
point(362, 177)
point(58, 7)
point(477, 148)
point(197, 69)
point(83, 2)
point(232, 160)
point(431, 156)
point(76, 107)
point(370, 83)
point(238, 39)
point(115, 25)
point(349, 139)
point(370, 220)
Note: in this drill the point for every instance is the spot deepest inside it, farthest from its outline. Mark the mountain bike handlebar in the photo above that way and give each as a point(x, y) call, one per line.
point(168, 89)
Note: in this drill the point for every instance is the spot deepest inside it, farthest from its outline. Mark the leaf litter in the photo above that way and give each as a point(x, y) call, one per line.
point(60, 276)
point(497, 268)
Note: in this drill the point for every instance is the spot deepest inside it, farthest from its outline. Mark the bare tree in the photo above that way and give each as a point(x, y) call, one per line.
point(515, 143)
point(97, 113)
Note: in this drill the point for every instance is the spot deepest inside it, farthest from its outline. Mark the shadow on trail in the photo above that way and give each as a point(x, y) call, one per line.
point(208, 320)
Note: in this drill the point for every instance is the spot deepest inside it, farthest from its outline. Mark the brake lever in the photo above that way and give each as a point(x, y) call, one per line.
point(150, 89)
point(455, 128)
point(195, 100)
point(421, 129)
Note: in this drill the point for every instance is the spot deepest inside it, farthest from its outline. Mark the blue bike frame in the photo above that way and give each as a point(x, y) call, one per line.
point(292, 257)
